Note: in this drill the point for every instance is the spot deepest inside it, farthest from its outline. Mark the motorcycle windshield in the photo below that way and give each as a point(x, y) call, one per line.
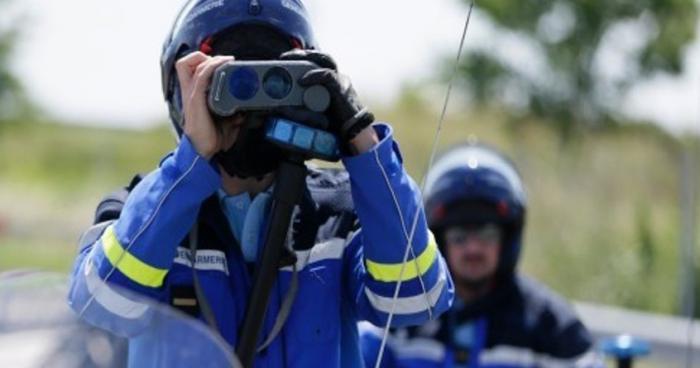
point(39, 329)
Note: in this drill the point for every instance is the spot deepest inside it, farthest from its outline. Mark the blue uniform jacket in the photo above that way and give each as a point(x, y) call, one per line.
point(347, 273)
point(521, 324)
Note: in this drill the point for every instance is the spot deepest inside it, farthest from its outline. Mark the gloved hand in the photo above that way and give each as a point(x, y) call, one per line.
point(346, 115)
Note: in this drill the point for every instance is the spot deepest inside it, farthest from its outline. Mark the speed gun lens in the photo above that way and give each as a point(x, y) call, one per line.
point(277, 83)
point(244, 83)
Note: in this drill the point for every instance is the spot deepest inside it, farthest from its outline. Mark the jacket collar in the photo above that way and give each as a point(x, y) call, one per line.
point(304, 225)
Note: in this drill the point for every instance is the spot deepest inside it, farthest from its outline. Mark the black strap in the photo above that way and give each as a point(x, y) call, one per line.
point(284, 311)
point(202, 300)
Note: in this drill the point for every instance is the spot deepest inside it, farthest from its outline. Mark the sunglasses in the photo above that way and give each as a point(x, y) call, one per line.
point(483, 234)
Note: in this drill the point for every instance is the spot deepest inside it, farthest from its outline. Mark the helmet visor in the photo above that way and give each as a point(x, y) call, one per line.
point(251, 42)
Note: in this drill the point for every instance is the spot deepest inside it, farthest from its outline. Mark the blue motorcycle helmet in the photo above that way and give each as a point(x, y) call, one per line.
point(247, 29)
point(473, 184)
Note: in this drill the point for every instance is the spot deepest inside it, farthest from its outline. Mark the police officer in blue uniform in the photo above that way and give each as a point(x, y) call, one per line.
point(345, 246)
point(476, 207)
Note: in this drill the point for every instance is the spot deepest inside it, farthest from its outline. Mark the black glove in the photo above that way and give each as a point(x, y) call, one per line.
point(346, 115)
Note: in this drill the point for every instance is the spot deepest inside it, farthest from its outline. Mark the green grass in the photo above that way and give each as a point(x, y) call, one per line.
point(69, 159)
point(36, 254)
point(603, 219)
point(53, 176)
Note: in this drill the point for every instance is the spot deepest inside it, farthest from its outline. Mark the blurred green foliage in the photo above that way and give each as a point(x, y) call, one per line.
point(73, 159)
point(52, 177)
point(580, 43)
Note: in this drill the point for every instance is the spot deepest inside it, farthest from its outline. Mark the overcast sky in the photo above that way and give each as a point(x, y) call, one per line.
point(96, 61)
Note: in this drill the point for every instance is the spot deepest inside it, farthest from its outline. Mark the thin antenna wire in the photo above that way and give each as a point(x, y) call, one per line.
point(693, 155)
point(433, 152)
point(688, 201)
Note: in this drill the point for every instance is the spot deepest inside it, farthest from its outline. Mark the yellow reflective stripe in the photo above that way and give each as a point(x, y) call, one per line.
point(391, 272)
point(130, 266)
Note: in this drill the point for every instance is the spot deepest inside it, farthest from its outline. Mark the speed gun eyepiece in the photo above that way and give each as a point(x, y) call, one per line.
point(264, 85)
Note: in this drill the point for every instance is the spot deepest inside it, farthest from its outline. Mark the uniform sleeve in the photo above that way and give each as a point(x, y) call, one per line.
point(387, 202)
point(569, 346)
point(563, 340)
point(123, 260)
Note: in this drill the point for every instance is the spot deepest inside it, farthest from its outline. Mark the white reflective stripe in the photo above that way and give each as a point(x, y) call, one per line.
point(329, 249)
point(511, 355)
point(206, 260)
point(507, 355)
point(420, 348)
point(404, 347)
point(366, 328)
point(590, 359)
point(410, 304)
point(109, 298)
